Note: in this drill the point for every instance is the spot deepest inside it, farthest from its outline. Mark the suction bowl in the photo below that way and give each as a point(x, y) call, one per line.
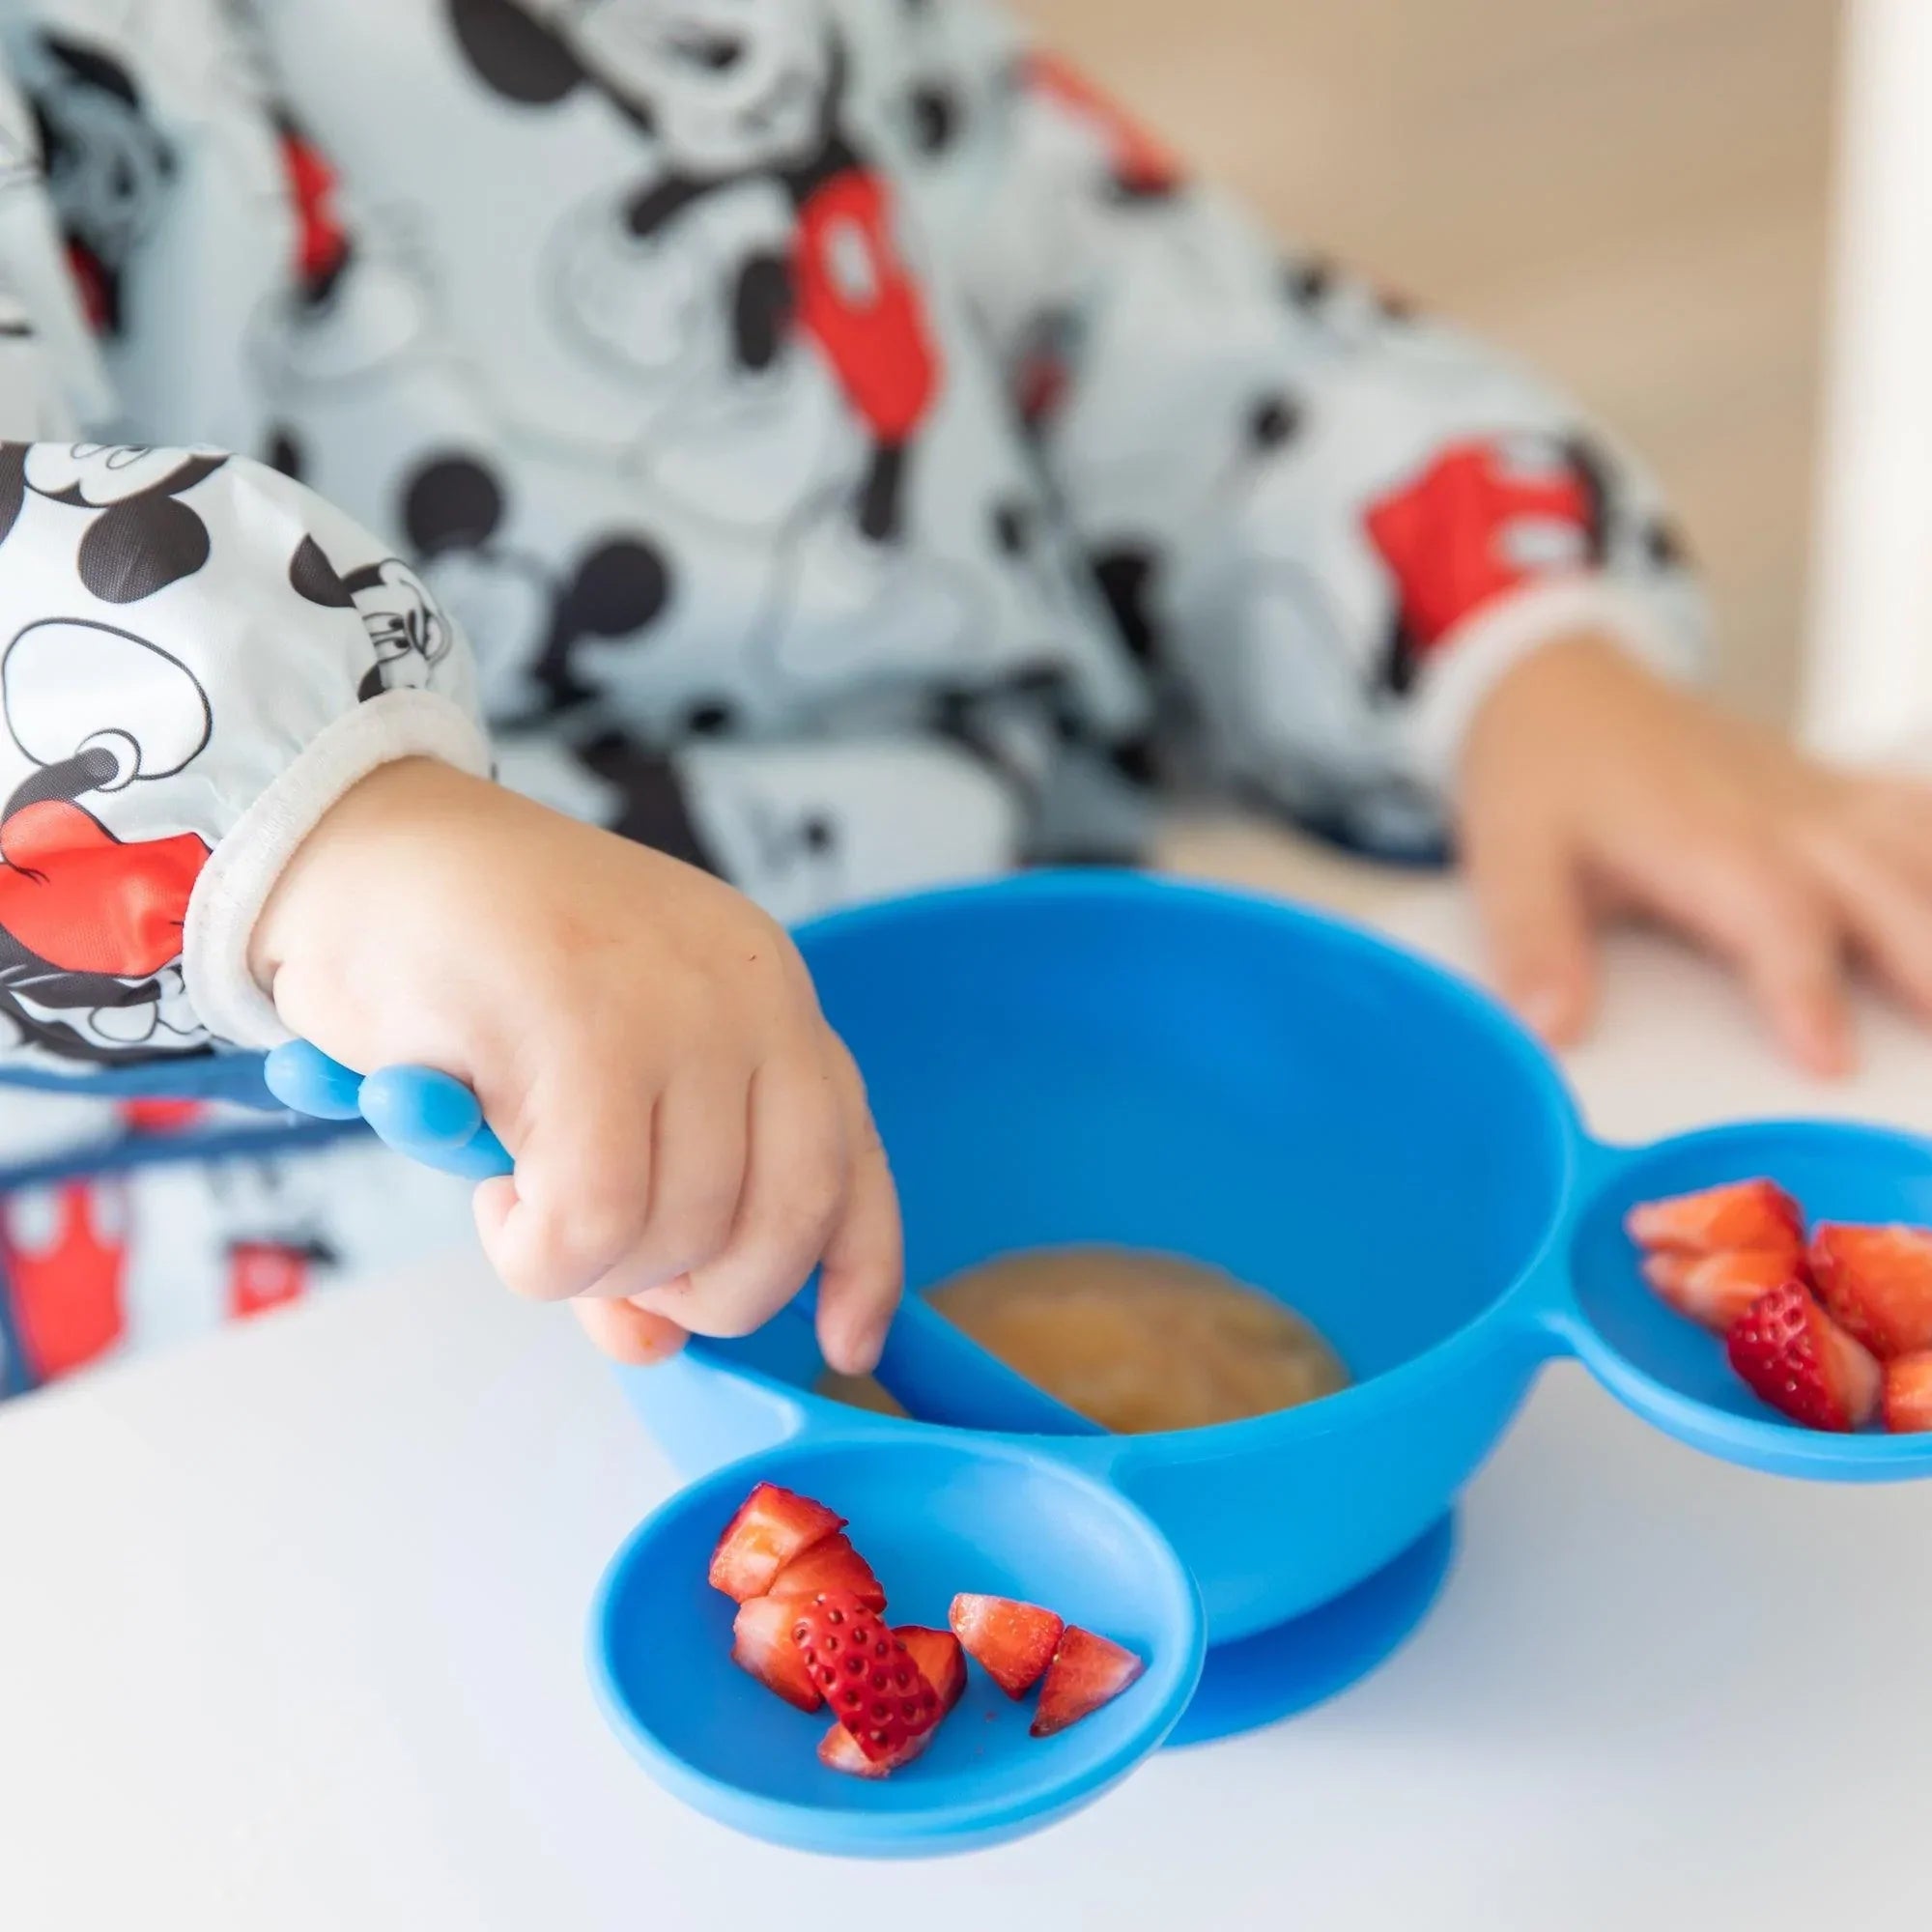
point(1109, 1058)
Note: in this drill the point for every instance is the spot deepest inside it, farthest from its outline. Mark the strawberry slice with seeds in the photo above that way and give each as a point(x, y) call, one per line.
point(1755, 1214)
point(1716, 1290)
point(863, 1672)
point(831, 1565)
point(1799, 1360)
point(839, 1750)
point(771, 1527)
point(941, 1661)
point(1907, 1404)
point(1087, 1671)
point(1012, 1641)
point(761, 1644)
point(1878, 1283)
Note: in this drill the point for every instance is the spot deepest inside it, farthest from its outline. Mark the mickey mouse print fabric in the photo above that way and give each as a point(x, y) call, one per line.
point(156, 768)
point(859, 454)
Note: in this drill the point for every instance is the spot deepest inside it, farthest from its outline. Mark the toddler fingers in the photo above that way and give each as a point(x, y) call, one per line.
point(581, 1195)
point(1529, 894)
point(1896, 814)
point(696, 1177)
point(1889, 912)
point(795, 1181)
point(1755, 908)
point(863, 1266)
point(631, 1335)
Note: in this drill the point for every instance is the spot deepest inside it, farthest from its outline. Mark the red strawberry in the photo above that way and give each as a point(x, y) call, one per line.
point(1908, 1394)
point(1013, 1642)
point(771, 1526)
point(839, 1750)
point(1087, 1671)
point(865, 1672)
point(761, 1644)
point(1741, 1214)
point(1878, 1281)
point(1714, 1290)
point(1800, 1361)
point(831, 1565)
point(941, 1661)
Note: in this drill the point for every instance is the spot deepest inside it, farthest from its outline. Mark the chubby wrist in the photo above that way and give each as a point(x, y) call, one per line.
point(1540, 622)
point(414, 727)
point(339, 874)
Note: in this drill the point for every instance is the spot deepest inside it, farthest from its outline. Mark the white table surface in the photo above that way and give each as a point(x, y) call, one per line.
point(290, 1635)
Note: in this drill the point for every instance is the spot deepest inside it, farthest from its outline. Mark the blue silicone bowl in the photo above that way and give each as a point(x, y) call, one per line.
point(1106, 1057)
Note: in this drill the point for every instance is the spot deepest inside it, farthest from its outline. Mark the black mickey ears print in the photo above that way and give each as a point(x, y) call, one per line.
point(142, 537)
point(1126, 576)
point(514, 54)
point(313, 576)
point(451, 502)
point(13, 485)
point(621, 588)
point(141, 547)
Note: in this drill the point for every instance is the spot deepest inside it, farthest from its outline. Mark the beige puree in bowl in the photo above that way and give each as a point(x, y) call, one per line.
point(1136, 1342)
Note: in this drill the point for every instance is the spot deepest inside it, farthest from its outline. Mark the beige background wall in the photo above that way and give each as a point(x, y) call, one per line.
point(1632, 192)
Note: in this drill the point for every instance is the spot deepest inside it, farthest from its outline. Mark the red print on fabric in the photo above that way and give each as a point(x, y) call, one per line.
point(1471, 529)
point(859, 302)
point(90, 278)
point(161, 1117)
point(67, 1290)
point(75, 897)
point(322, 241)
point(263, 1276)
point(1143, 165)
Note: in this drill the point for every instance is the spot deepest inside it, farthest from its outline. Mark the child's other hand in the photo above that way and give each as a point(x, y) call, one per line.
point(691, 1137)
point(1592, 789)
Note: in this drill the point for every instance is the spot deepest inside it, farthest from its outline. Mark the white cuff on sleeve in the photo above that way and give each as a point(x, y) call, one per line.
point(1467, 663)
point(242, 872)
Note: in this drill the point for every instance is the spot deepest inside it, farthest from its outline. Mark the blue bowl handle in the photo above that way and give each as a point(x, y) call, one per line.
point(425, 1114)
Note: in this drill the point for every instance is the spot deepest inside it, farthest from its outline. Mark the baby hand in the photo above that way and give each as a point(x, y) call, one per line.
point(1590, 788)
point(691, 1138)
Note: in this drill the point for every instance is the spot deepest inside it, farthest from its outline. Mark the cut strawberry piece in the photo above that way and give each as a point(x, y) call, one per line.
point(1800, 1361)
point(1756, 1214)
point(838, 1751)
point(941, 1661)
point(1878, 1283)
point(1087, 1671)
point(1716, 1290)
point(831, 1565)
point(1908, 1394)
point(1013, 1642)
point(863, 1672)
point(771, 1526)
point(761, 1644)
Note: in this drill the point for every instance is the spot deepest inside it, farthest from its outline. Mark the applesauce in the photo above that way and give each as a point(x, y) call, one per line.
point(1137, 1341)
